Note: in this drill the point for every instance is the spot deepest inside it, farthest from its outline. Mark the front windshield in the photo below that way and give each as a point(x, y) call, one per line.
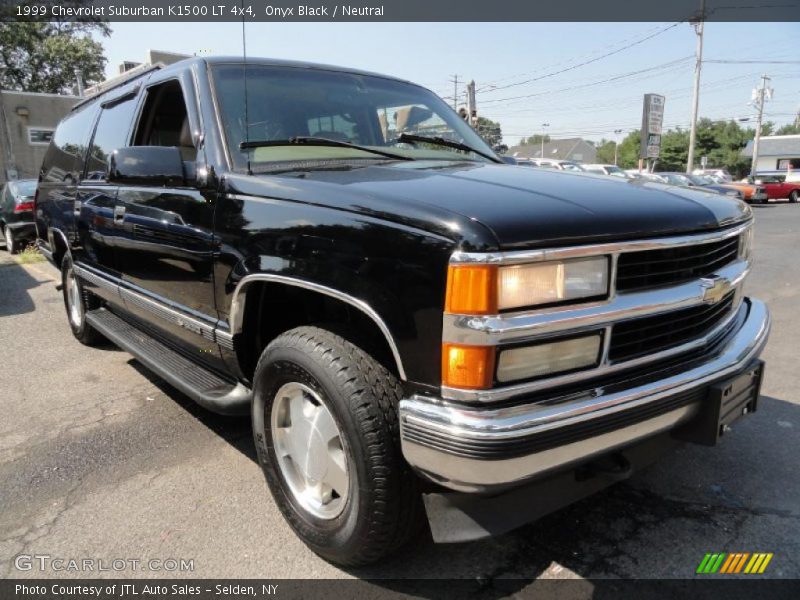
point(285, 102)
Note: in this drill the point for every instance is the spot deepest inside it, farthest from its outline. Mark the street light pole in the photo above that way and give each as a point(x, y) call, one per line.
point(698, 27)
point(616, 144)
point(544, 126)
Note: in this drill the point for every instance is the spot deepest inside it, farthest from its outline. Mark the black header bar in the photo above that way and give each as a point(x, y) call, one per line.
point(402, 10)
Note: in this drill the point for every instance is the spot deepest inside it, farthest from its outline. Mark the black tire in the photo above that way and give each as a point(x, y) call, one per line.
point(12, 244)
point(383, 506)
point(82, 331)
point(794, 196)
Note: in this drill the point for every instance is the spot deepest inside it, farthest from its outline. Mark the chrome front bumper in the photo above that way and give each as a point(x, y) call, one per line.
point(479, 449)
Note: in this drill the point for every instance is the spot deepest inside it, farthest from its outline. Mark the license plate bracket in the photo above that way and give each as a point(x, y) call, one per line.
point(726, 402)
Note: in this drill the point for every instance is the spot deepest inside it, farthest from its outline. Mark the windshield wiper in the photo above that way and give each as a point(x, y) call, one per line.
point(303, 140)
point(439, 141)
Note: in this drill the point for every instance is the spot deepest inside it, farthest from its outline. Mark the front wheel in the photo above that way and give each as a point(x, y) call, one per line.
point(78, 301)
point(794, 196)
point(326, 430)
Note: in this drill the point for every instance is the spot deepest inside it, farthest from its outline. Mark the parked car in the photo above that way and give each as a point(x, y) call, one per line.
point(718, 175)
point(613, 170)
point(16, 214)
point(399, 312)
point(701, 181)
point(646, 175)
point(754, 194)
point(509, 160)
point(776, 186)
point(560, 165)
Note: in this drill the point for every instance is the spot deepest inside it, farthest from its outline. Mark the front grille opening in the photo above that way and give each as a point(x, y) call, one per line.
point(649, 335)
point(669, 266)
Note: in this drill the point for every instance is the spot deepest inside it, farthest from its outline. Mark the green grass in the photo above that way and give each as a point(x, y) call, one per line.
point(29, 255)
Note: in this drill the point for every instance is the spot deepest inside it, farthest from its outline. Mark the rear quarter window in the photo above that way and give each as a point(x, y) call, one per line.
point(112, 132)
point(64, 158)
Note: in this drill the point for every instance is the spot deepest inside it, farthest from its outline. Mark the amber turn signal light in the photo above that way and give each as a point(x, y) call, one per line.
point(469, 367)
point(471, 290)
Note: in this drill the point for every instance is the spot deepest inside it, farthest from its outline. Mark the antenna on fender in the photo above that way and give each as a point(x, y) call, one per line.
point(244, 70)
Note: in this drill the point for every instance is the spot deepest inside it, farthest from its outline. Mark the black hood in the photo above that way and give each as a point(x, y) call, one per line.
point(523, 207)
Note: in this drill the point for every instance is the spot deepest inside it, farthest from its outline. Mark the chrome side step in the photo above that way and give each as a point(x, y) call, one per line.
point(208, 389)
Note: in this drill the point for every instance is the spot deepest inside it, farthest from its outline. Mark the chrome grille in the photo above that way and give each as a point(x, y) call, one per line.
point(670, 266)
point(650, 335)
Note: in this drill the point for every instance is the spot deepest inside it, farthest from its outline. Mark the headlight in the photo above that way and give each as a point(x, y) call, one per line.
point(557, 281)
point(548, 358)
point(487, 289)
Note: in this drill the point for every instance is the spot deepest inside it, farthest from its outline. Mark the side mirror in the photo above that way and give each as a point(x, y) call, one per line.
point(146, 165)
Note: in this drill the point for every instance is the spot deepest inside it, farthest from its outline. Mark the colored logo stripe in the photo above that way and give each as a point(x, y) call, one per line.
point(734, 562)
point(710, 563)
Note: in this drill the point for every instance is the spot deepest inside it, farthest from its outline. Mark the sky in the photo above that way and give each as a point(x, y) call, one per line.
point(583, 79)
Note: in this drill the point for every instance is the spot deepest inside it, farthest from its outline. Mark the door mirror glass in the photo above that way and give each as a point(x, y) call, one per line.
point(146, 165)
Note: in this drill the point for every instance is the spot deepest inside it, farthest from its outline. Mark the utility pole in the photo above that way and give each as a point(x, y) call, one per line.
point(698, 28)
point(760, 96)
point(544, 126)
point(455, 92)
point(472, 107)
point(79, 80)
point(616, 143)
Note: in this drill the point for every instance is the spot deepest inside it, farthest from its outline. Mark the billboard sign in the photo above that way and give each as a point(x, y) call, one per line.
point(652, 122)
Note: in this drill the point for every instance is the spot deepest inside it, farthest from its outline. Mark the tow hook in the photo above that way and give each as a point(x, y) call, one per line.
point(611, 466)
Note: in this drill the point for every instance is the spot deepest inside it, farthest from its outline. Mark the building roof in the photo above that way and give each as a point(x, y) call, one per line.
point(576, 149)
point(784, 146)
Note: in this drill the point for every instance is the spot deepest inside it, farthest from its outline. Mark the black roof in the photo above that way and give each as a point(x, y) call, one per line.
point(211, 60)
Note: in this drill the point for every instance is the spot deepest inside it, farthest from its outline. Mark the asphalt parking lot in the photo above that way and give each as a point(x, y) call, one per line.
point(99, 459)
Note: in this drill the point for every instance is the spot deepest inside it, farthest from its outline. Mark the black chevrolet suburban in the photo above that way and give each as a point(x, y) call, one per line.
point(414, 326)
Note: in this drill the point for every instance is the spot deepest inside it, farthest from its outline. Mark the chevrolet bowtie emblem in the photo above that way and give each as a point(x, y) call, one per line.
point(715, 289)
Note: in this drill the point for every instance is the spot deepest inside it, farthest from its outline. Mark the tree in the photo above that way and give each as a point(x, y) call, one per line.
point(789, 129)
point(628, 151)
point(43, 56)
point(490, 131)
point(534, 139)
point(605, 151)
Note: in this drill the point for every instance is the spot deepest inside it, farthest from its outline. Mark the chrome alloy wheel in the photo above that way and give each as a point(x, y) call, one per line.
point(74, 301)
point(309, 450)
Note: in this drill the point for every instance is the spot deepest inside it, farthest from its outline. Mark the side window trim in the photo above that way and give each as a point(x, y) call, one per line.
point(107, 105)
point(122, 97)
point(184, 80)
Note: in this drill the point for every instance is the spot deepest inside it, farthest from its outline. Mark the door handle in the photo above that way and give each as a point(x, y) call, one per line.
point(119, 215)
point(76, 208)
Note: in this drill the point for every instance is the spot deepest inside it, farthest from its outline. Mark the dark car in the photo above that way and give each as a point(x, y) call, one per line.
point(341, 256)
point(16, 214)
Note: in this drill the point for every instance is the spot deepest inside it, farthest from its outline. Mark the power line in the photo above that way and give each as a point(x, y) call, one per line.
point(754, 62)
point(591, 53)
point(584, 63)
point(602, 81)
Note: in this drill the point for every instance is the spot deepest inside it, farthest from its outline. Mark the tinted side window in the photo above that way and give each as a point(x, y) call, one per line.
point(111, 133)
point(64, 158)
point(165, 120)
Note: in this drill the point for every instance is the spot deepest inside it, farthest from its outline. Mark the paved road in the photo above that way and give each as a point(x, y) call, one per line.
point(98, 459)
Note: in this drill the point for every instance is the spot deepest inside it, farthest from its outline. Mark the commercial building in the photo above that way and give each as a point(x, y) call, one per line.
point(27, 122)
point(776, 153)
